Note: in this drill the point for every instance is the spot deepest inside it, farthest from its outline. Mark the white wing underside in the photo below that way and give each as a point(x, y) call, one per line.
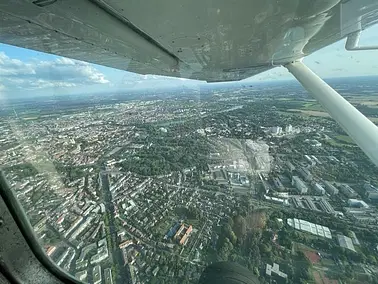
point(219, 40)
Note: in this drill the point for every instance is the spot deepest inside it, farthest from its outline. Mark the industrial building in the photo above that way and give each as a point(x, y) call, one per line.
point(348, 191)
point(357, 203)
point(362, 215)
point(309, 227)
point(299, 185)
point(345, 242)
point(314, 203)
point(274, 269)
point(330, 188)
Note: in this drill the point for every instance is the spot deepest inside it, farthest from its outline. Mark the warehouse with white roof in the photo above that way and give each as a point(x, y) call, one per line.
point(309, 227)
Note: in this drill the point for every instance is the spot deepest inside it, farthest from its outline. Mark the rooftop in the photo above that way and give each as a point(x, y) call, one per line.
point(309, 227)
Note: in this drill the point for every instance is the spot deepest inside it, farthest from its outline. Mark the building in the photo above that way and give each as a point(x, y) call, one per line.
point(354, 238)
point(274, 269)
point(73, 226)
point(312, 203)
point(357, 203)
point(276, 130)
point(108, 276)
point(348, 191)
point(81, 228)
point(186, 235)
point(305, 174)
point(319, 189)
point(311, 161)
point(326, 207)
point(330, 188)
point(50, 250)
point(172, 231)
point(156, 270)
point(308, 203)
point(299, 185)
point(82, 275)
point(289, 128)
point(179, 231)
point(125, 244)
point(277, 183)
point(371, 192)
point(346, 242)
point(290, 166)
point(40, 225)
point(309, 227)
point(101, 255)
point(97, 277)
point(63, 256)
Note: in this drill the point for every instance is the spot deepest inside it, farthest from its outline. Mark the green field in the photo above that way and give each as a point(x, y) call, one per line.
point(344, 139)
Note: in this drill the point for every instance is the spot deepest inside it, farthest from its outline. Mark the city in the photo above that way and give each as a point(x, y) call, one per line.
point(153, 188)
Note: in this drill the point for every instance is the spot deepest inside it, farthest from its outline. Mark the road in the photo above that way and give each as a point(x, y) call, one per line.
point(124, 272)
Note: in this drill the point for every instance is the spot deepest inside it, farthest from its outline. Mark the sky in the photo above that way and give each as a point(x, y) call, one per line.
point(24, 72)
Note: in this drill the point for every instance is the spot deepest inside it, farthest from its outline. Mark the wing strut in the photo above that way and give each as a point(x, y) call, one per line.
point(359, 127)
point(353, 40)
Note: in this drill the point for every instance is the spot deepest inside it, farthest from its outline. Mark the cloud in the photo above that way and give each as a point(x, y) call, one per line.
point(58, 73)
point(149, 81)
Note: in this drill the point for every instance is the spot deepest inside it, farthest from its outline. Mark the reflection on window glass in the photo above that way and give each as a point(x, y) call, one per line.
point(151, 179)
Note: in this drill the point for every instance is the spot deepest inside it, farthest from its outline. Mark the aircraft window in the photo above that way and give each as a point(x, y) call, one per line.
point(149, 178)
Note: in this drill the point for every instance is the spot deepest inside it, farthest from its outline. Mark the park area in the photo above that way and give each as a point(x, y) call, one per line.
point(320, 264)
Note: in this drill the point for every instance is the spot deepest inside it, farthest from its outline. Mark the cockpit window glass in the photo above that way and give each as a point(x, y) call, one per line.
point(150, 179)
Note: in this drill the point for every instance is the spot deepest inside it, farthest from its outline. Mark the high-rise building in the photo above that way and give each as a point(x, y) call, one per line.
point(348, 191)
point(319, 189)
point(299, 185)
point(331, 189)
point(371, 192)
point(305, 174)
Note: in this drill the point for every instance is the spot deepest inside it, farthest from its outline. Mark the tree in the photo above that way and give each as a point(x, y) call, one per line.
point(229, 233)
point(371, 259)
point(265, 248)
point(225, 250)
point(240, 227)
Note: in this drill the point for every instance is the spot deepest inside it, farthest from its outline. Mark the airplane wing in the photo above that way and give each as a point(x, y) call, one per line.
point(219, 40)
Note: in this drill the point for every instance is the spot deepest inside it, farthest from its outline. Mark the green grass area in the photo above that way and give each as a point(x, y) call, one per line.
point(163, 227)
point(345, 139)
point(336, 143)
point(313, 106)
point(195, 223)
